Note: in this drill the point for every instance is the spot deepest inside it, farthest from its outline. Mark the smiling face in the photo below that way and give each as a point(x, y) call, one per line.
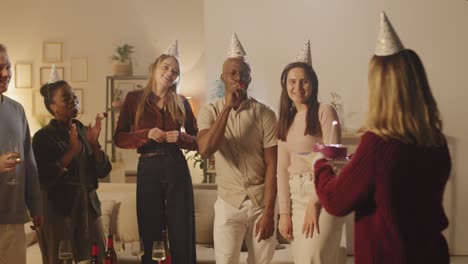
point(5, 71)
point(299, 86)
point(166, 72)
point(65, 104)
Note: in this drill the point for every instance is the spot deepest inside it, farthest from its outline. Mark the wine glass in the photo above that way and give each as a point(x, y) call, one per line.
point(65, 250)
point(159, 251)
point(138, 248)
point(14, 148)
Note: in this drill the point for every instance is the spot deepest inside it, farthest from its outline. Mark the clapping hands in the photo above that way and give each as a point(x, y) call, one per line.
point(92, 132)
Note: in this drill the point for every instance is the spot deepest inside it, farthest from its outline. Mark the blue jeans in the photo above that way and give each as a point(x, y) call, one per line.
point(165, 198)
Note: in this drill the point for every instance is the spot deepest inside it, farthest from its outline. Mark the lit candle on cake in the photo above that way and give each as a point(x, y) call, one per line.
point(330, 150)
point(333, 131)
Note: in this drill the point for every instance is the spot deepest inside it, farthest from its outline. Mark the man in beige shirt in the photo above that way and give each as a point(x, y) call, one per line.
point(241, 133)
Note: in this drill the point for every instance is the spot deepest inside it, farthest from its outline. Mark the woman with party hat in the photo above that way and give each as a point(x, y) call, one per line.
point(70, 161)
point(395, 180)
point(315, 235)
point(150, 121)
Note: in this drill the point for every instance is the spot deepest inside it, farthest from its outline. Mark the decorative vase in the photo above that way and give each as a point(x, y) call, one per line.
point(122, 68)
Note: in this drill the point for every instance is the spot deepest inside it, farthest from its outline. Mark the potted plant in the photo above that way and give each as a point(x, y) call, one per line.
point(122, 60)
point(198, 164)
point(198, 160)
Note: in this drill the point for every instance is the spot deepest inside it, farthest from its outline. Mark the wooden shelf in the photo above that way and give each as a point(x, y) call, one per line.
point(112, 83)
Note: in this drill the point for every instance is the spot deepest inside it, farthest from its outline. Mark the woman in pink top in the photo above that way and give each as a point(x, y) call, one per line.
point(315, 235)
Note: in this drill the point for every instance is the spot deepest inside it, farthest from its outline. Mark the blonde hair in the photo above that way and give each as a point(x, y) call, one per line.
point(173, 104)
point(401, 105)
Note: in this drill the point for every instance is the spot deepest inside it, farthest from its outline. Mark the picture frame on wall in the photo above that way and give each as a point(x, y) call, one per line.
point(79, 92)
point(23, 75)
point(79, 69)
point(38, 107)
point(45, 73)
point(52, 52)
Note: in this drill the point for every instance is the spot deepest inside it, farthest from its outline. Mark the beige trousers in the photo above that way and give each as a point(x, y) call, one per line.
point(323, 248)
point(12, 244)
point(232, 226)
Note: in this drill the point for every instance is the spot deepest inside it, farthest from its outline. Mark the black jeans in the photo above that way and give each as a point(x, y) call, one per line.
point(165, 197)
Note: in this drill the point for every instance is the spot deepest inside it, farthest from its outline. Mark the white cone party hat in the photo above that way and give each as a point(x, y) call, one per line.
point(304, 55)
point(173, 49)
point(54, 76)
point(388, 42)
point(235, 48)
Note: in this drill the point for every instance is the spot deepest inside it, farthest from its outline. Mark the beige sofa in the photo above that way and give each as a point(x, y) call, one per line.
point(119, 217)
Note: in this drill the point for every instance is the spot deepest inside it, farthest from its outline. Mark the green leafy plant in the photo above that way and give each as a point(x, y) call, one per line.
point(198, 160)
point(123, 53)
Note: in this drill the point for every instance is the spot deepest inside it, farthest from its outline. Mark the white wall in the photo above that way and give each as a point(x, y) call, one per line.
point(342, 35)
point(91, 28)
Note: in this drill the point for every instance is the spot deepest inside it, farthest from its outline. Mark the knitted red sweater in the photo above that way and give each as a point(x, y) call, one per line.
point(396, 192)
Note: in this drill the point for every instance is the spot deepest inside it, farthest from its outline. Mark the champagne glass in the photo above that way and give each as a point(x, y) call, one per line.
point(65, 250)
point(14, 148)
point(138, 248)
point(159, 251)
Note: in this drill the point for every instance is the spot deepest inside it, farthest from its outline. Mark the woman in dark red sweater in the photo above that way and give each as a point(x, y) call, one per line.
point(396, 178)
point(150, 121)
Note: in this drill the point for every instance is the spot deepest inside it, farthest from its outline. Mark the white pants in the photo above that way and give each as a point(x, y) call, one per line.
point(232, 226)
point(12, 244)
point(323, 248)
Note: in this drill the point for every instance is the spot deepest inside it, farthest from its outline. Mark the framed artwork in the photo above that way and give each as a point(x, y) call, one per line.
point(52, 52)
point(45, 73)
point(23, 75)
point(79, 69)
point(38, 106)
point(79, 92)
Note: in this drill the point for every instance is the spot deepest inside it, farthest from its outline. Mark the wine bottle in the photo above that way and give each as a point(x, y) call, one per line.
point(95, 254)
point(168, 250)
point(111, 255)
